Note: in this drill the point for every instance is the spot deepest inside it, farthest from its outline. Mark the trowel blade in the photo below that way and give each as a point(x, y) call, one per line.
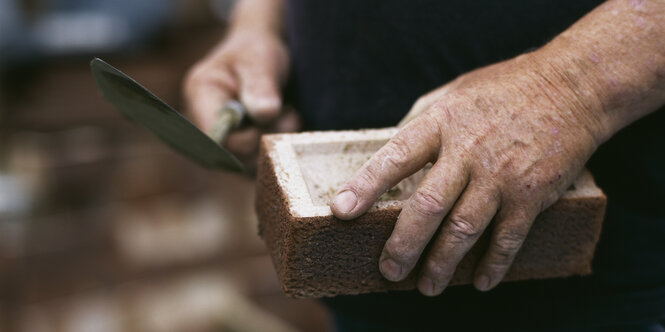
point(144, 108)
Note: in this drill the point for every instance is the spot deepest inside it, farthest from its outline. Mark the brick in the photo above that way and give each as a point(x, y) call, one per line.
point(318, 255)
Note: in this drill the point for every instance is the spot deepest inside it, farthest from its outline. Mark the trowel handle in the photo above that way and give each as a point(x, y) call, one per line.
point(229, 117)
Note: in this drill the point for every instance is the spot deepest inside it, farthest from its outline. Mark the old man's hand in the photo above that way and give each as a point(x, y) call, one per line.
point(505, 142)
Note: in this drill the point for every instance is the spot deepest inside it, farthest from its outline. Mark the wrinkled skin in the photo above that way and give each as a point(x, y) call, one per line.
point(504, 144)
point(505, 140)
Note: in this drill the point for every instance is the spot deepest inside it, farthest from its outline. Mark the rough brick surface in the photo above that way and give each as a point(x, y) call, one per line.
point(317, 255)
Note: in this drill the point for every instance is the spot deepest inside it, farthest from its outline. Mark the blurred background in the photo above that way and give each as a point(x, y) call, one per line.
point(102, 228)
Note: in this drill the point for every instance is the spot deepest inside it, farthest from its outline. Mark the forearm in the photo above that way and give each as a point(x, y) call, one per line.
point(613, 62)
point(258, 15)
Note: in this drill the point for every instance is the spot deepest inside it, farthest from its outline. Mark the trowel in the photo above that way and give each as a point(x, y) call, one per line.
point(141, 106)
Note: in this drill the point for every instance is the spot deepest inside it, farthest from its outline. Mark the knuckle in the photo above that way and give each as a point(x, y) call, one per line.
point(508, 242)
point(191, 78)
point(396, 154)
point(497, 269)
point(365, 179)
point(197, 77)
point(443, 106)
point(438, 270)
point(196, 72)
point(419, 106)
point(400, 249)
point(420, 102)
point(428, 202)
point(462, 228)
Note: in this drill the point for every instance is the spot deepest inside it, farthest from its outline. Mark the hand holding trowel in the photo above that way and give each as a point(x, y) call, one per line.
point(144, 108)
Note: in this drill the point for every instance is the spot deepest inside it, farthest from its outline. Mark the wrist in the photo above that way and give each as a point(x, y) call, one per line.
point(617, 59)
point(573, 86)
point(259, 17)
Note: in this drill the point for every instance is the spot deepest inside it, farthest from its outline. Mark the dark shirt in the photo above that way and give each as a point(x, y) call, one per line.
point(363, 63)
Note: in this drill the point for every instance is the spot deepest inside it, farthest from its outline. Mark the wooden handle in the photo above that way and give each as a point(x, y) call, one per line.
point(228, 118)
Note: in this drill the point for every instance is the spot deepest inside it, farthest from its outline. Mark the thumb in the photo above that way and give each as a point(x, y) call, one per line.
point(421, 105)
point(424, 103)
point(260, 92)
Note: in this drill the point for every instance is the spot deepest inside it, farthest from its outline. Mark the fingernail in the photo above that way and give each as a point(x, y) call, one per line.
point(391, 270)
point(482, 282)
point(345, 201)
point(261, 102)
point(426, 286)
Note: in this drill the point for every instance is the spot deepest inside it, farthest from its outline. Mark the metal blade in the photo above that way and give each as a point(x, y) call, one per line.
point(144, 108)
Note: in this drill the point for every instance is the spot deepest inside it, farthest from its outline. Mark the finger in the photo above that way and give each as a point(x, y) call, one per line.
point(260, 90)
point(421, 216)
point(511, 229)
point(289, 121)
point(459, 232)
point(407, 152)
point(243, 142)
point(206, 90)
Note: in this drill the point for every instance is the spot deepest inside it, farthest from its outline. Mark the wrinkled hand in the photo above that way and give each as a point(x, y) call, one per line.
point(250, 66)
point(505, 140)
